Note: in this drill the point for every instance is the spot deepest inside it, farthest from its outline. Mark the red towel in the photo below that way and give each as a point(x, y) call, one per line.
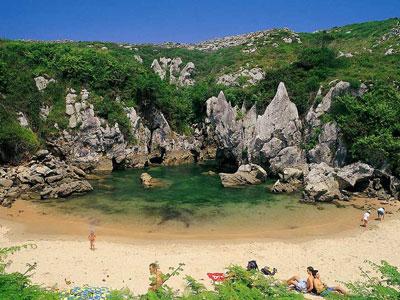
point(216, 276)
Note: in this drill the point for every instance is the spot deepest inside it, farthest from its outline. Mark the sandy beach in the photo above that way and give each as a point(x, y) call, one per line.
point(64, 260)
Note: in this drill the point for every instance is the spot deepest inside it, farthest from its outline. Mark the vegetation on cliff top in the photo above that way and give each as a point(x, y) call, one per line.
point(110, 72)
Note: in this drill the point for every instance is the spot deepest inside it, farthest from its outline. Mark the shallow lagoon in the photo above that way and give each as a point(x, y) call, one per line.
point(195, 204)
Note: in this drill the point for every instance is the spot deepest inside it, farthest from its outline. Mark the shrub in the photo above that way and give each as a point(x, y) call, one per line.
point(371, 124)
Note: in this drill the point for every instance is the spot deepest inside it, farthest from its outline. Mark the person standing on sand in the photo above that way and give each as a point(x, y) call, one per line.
point(365, 218)
point(92, 239)
point(157, 277)
point(381, 213)
point(303, 285)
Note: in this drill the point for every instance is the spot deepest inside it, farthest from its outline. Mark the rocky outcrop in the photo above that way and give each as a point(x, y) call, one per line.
point(324, 183)
point(243, 77)
point(245, 175)
point(45, 176)
point(277, 135)
point(272, 140)
point(330, 147)
point(42, 82)
point(171, 67)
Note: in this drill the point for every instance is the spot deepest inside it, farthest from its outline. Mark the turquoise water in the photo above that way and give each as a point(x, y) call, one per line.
point(189, 202)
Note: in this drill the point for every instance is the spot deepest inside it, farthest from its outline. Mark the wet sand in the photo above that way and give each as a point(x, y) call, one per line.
point(297, 222)
point(121, 259)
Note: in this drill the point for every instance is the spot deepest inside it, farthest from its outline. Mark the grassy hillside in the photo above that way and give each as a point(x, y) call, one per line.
point(110, 71)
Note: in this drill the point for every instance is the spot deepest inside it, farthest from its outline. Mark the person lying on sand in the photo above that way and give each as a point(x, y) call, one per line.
point(157, 277)
point(322, 289)
point(302, 285)
point(92, 239)
point(365, 218)
point(381, 213)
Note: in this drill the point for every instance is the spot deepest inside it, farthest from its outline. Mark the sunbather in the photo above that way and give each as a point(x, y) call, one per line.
point(157, 277)
point(322, 289)
point(302, 285)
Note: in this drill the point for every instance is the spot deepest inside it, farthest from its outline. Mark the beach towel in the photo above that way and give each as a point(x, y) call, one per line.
point(215, 277)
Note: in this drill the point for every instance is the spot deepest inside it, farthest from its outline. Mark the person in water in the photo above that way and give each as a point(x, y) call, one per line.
point(303, 285)
point(92, 239)
point(365, 218)
point(381, 213)
point(322, 289)
point(157, 277)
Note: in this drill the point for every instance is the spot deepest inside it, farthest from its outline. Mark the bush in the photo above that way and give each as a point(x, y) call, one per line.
point(371, 126)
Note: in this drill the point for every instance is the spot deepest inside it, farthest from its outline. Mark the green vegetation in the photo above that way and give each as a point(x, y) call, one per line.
point(110, 72)
point(371, 126)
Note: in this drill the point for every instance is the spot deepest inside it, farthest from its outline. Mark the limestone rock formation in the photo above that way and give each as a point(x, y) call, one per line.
point(45, 176)
point(177, 76)
point(353, 174)
point(251, 77)
point(42, 82)
point(245, 175)
point(330, 147)
point(290, 180)
point(277, 135)
point(321, 184)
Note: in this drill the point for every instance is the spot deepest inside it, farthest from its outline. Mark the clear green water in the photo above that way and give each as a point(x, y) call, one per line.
point(190, 202)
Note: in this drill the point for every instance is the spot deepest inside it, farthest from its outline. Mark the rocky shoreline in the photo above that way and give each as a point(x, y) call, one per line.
point(270, 144)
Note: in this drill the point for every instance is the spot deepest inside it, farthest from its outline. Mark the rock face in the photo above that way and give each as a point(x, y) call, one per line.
point(45, 176)
point(277, 135)
point(171, 66)
point(272, 139)
point(94, 145)
point(324, 183)
point(245, 175)
point(330, 147)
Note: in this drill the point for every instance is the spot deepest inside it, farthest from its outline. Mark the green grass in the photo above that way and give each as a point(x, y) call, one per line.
point(112, 72)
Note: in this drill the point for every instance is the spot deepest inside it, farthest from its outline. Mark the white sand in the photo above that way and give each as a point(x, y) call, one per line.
point(126, 264)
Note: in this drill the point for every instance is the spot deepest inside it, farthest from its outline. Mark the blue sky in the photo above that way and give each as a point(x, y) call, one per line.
point(177, 20)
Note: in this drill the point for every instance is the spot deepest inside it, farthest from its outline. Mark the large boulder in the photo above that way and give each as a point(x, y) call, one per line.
point(245, 175)
point(290, 180)
point(354, 174)
point(321, 184)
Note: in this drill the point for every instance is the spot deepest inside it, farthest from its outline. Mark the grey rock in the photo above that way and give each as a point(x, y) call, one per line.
point(321, 184)
point(23, 121)
point(353, 174)
point(245, 175)
point(42, 82)
point(6, 183)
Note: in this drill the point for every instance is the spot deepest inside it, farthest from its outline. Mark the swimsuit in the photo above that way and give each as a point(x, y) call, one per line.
point(301, 285)
point(326, 291)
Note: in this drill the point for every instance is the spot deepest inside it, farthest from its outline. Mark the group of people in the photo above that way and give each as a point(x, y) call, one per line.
point(313, 284)
point(365, 218)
